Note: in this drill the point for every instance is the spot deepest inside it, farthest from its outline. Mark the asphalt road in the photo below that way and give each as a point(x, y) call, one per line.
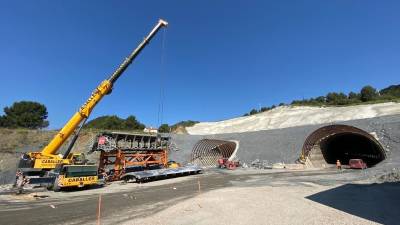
point(114, 206)
point(139, 201)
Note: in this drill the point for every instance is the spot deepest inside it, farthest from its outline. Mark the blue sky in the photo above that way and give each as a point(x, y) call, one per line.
point(221, 58)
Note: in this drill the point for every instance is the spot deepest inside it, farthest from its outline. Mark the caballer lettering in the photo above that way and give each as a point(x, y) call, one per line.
point(79, 179)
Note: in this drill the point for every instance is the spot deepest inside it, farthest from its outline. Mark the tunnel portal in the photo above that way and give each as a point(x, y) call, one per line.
point(341, 142)
point(206, 152)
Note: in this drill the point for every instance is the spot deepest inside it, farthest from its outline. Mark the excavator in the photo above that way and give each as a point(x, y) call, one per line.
point(57, 171)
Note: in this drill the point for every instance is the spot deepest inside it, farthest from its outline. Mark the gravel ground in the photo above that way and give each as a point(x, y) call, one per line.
point(254, 205)
point(245, 196)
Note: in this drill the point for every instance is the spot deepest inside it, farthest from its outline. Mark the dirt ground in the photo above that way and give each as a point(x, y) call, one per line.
point(253, 205)
point(245, 196)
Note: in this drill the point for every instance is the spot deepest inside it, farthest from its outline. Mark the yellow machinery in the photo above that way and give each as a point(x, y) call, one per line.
point(70, 169)
point(173, 164)
point(73, 176)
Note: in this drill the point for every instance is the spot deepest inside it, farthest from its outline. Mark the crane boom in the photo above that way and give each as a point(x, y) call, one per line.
point(103, 89)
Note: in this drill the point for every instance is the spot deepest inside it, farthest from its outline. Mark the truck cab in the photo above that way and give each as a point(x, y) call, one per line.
point(357, 164)
point(75, 176)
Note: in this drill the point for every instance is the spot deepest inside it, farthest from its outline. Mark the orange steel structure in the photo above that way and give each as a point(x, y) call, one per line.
point(123, 159)
point(121, 152)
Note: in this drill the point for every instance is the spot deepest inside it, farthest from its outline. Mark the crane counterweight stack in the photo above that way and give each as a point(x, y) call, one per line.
point(37, 163)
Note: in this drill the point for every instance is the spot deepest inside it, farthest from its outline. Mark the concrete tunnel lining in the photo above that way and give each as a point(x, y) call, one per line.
point(206, 152)
point(341, 142)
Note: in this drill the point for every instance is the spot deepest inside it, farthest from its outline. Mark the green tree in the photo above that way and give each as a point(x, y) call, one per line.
point(353, 95)
point(311, 101)
point(295, 102)
point(115, 123)
point(320, 99)
point(253, 111)
point(164, 128)
point(368, 93)
point(342, 99)
point(334, 98)
point(131, 123)
point(391, 91)
point(25, 114)
point(186, 123)
point(106, 122)
point(2, 121)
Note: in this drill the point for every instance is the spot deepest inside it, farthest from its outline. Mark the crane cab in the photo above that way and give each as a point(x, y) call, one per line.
point(36, 160)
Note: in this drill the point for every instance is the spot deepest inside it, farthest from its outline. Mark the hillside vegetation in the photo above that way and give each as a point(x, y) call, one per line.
point(13, 142)
point(178, 127)
point(367, 95)
point(292, 116)
point(22, 140)
point(17, 140)
point(115, 123)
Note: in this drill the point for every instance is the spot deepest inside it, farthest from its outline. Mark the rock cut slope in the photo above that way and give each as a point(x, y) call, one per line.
point(293, 116)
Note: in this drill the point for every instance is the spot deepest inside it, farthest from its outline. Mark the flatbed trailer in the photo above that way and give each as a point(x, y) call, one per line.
point(159, 174)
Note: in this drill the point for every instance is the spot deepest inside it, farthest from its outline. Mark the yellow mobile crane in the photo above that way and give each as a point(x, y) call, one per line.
point(69, 170)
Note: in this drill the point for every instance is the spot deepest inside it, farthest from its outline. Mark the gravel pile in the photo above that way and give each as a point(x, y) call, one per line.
point(393, 176)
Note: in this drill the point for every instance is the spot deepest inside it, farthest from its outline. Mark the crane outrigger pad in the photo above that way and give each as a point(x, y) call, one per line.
point(158, 174)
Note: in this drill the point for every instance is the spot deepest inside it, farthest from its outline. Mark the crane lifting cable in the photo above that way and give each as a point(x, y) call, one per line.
point(160, 113)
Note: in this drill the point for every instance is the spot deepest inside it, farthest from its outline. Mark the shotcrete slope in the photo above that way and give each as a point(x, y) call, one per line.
point(293, 116)
point(284, 145)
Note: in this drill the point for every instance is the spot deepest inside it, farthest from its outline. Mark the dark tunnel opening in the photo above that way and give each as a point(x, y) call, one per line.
point(340, 142)
point(346, 146)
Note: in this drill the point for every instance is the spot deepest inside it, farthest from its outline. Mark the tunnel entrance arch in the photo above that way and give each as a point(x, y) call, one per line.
point(206, 152)
point(341, 142)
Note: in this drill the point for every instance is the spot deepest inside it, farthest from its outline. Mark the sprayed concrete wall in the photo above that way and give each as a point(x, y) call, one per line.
point(285, 145)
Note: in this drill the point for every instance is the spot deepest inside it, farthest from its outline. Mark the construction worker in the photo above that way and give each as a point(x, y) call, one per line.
point(338, 164)
point(17, 175)
point(221, 163)
point(21, 181)
point(105, 176)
